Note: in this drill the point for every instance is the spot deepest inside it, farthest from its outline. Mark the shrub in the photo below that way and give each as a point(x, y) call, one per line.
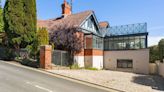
point(30, 62)
point(91, 68)
point(41, 38)
point(9, 54)
point(161, 49)
point(74, 66)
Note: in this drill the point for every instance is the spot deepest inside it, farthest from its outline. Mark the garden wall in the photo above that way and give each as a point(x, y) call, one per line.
point(161, 69)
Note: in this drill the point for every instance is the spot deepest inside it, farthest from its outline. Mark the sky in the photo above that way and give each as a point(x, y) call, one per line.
point(116, 12)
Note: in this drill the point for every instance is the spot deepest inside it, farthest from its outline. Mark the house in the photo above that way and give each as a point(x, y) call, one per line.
point(121, 48)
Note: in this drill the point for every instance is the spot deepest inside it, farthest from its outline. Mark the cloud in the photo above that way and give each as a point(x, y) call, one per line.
point(153, 40)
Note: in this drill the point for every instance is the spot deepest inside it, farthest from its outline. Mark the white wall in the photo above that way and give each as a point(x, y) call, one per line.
point(97, 62)
point(79, 60)
point(140, 59)
point(161, 69)
point(153, 68)
point(88, 61)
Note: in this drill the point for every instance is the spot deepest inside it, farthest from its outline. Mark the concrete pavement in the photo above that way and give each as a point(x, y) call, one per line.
point(17, 79)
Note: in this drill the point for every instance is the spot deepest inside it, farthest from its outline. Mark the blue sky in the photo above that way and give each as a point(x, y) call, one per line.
point(116, 12)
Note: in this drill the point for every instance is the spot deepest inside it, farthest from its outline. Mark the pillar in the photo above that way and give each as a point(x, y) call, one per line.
point(45, 57)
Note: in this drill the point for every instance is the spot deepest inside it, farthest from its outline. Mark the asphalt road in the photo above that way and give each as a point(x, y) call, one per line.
point(17, 79)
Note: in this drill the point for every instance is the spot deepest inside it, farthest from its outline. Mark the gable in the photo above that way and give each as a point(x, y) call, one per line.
point(90, 24)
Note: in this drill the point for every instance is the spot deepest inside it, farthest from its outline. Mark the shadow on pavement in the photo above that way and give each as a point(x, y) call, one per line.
point(156, 82)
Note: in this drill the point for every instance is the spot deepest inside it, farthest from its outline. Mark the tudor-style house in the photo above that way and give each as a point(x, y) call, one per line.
point(121, 48)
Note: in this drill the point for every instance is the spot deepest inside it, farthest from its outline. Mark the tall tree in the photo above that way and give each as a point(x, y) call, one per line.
point(1, 18)
point(29, 21)
point(14, 22)
point(161, 49)
point(20, 22)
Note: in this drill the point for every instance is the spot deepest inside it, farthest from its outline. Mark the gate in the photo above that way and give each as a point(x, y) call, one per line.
point(60, 58)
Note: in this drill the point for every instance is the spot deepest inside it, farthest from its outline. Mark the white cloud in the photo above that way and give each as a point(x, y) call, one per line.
point(153, 40)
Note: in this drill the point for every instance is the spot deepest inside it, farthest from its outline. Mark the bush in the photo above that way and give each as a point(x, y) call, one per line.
point(74, 66)
point(91, 68)
point(9, 54)
point(30, 62)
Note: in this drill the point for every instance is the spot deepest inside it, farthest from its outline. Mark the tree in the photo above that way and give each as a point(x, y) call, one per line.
point(67, 38)
point(161, 49)
point(1, 18)
point(14, 22)
point(20, 22)
point(41, 38)
point(154, 53)
point(29, 22)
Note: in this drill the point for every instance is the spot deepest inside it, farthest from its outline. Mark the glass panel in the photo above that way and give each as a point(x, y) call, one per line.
point(127, 29)
point(88, 41)
point(124, 43)
point(98, 42)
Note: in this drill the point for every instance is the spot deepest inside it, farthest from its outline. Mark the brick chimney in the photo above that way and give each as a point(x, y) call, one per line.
point(66, 9)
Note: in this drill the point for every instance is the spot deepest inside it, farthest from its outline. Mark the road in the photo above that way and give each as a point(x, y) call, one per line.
point(18, 79)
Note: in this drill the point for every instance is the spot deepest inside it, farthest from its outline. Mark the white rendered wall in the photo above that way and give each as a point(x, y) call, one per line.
point(97, 62)
point(79, 60)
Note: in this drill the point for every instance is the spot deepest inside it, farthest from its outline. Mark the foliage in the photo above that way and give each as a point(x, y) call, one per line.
point(74, 66)
point(68, 38)
point(91, 68)
point(1, 18)
point(9, 54)
point(20, 22)
point(43, 36)
point(161, 49)
point(30, 18)
point(30, 62)
point(154, 53)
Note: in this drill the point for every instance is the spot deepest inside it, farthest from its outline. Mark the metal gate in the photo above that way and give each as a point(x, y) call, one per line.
point(60, 58)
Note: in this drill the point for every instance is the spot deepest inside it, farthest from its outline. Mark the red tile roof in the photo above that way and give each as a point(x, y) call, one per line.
point(103, 24)
point(72, 20)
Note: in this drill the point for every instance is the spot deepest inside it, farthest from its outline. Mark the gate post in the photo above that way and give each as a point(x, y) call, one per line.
point(45, 57)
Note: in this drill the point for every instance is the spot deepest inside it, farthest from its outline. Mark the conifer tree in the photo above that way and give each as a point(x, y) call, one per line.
point(14, 22)
point(1, 18)
point(20, 22)
point(29, 21)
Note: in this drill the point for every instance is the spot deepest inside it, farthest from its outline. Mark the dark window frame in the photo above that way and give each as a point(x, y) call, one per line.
point(120, 63)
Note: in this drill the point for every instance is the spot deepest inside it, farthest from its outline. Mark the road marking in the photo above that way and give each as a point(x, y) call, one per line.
point(40, 87)
point(43, 88)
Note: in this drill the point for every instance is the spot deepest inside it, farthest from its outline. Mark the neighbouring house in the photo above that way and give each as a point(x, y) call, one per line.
point(121, 48)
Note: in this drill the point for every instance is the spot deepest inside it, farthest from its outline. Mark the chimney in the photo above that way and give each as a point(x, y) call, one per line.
point(66, 9)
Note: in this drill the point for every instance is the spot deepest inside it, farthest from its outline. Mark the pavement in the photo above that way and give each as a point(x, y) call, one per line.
point(19, 79)
point(124, 81)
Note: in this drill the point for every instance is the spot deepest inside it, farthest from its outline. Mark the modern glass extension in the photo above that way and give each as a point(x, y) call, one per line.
point(126, 37)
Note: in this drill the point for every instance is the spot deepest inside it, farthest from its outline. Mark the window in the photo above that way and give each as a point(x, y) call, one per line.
point(125, 43)
point(124, 63)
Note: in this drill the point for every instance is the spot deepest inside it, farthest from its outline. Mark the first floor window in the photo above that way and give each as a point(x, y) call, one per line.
point(124, 63)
